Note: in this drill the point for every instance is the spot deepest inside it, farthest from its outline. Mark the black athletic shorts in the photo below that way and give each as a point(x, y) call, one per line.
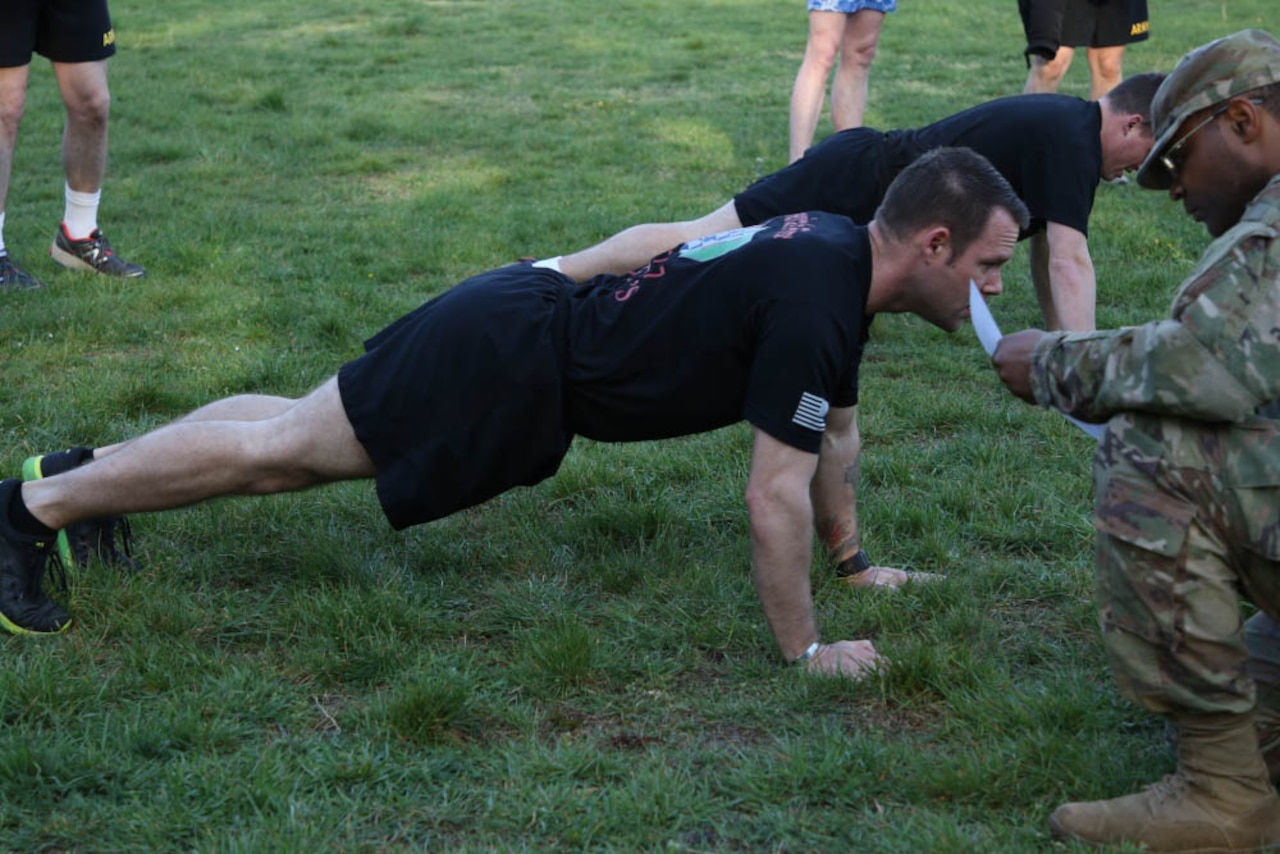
point(1050, 24)
point(462, 399)
point(59, 30)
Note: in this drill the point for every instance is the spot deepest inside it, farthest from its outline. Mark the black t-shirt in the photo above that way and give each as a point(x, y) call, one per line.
point(1048, 147)
point(765, 323)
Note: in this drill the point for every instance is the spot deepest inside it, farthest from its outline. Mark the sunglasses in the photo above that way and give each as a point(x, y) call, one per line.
point(1169, 159)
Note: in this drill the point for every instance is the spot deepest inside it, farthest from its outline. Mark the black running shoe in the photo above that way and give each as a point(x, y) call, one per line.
point(93, 254)
point(13, 277)
point(25, 609)
point(80, 542)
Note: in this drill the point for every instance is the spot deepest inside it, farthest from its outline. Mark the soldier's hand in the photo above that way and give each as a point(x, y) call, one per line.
point(1013, 361)
point(852, 659)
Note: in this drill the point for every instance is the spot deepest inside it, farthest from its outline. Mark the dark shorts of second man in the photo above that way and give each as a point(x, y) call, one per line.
point(58, 30)
point(463, 398)
point(1050, 24)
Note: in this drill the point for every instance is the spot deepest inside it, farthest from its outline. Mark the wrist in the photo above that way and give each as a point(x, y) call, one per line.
point(856, 563)
point(808, 655)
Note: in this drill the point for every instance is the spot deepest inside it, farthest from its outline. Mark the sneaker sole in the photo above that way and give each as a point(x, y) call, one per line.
point(31, 471)
point(15, 629)
point(65, 259)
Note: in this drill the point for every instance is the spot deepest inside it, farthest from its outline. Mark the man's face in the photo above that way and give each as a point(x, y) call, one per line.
point(947, 297)
point(1210, 176)
point(1126, 148)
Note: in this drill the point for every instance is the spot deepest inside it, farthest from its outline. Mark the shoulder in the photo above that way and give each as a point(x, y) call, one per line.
point(1265, 207)
point(1241, 254)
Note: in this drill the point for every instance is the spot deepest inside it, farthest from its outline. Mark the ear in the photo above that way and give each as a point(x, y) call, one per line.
point(1134, 123)
point(1244, 119)
point(936, 242)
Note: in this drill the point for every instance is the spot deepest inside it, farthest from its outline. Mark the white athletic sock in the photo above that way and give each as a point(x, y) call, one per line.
point(1, 232)
point(81, 214)
point(550, 263)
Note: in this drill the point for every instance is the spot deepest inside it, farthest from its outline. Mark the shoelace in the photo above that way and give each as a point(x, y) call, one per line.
point(52, 564)
point(110, 526)
point(1167, 787)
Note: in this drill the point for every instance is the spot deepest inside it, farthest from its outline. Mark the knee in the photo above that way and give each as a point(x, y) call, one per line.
point(860, 52)
point(273, 462)
point(90, 108)
point(820, 54)
point(12, 108)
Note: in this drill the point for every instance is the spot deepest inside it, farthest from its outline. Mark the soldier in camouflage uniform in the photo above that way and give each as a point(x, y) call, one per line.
point(1187, 475)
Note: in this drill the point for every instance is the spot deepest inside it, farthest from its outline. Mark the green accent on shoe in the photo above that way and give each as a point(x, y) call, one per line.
point(32, 469)
point(25, 608)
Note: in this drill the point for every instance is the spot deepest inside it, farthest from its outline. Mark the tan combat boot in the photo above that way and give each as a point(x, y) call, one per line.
point(1219, 800)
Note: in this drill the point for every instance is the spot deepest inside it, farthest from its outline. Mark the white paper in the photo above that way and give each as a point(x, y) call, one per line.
point(989, 334)
point(983, 323)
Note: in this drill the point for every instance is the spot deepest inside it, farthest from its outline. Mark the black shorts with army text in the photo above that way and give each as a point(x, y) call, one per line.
point(59, 30)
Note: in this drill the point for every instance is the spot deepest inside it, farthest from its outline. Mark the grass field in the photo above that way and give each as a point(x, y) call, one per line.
point(582, 665)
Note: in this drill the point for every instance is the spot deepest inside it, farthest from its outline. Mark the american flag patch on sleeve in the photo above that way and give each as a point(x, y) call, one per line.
point(812, 412)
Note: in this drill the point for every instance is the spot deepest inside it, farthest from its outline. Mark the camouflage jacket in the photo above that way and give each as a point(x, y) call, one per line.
point(1216, 359)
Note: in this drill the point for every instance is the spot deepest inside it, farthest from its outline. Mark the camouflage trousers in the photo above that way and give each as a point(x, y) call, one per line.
point(1262, 634)
point(1188, 519)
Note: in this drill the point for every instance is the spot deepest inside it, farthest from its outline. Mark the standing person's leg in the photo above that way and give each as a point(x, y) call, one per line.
point(857, 52)
point(84, 139)
point(13, 102)
point(80, 244)
point(1045, 75)
point(1113, 24)
point(13, 99)
point(826, 29)
point(1106, 70)
point(1047, 59)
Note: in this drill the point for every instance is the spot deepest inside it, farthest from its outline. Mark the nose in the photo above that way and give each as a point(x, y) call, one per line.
point(993, 285)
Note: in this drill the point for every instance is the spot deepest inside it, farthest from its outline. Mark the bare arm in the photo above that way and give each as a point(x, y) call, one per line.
point(835, 485)
point(834, 491)
point(781, 547)
point(633, 247)
point(1062, 273)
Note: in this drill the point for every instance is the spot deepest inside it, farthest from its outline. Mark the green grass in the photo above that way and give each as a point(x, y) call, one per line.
point(582, 665)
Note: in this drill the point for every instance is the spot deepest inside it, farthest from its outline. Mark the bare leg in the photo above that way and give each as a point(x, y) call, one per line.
point(857, 51)
point(1046, 75)
point(84, 141)
point(1105, 69)
point(13, 99)
point(825, 31)
point(186, 462)
point(243, 407)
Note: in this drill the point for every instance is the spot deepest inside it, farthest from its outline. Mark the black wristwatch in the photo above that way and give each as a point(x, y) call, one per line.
point(856, 563)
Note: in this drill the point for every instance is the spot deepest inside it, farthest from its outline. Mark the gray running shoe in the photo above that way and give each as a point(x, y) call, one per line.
point(14, 277)
point(92, 255)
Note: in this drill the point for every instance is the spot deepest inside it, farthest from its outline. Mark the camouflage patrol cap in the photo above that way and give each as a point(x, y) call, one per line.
point(1210, 74)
